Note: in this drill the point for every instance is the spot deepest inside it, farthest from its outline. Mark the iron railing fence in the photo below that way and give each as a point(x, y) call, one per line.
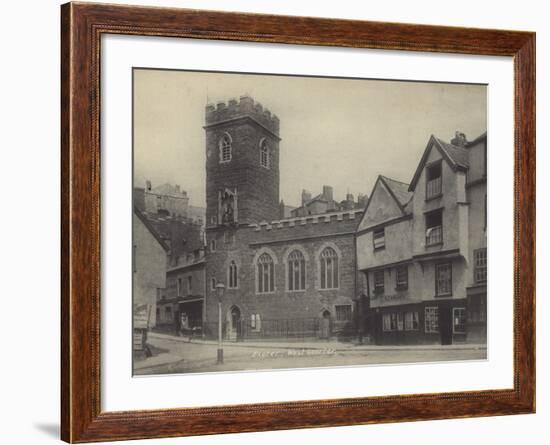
point(266, 329)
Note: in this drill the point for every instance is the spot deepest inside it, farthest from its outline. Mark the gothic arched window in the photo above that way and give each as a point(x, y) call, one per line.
point(296, 271)
point(233, 276)
point(225, 148)
point(264, 154)
point(329, 268)
point(266, 273)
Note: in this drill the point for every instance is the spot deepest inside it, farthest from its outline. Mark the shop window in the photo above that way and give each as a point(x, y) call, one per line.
point(459, 320)
point(431, 320)
point(411, 321)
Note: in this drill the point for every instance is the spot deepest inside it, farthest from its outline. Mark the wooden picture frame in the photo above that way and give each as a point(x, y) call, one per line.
point(82, 26)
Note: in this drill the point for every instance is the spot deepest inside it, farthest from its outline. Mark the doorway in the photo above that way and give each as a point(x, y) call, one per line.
point(234, 324)
point(324, 331)
point(446, 324)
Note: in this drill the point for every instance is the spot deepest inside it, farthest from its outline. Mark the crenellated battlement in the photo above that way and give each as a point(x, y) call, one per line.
point(325, 218)
point(245, 106)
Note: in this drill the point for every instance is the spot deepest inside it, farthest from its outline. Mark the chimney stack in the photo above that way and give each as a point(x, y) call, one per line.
point(459, 140)
point(327, 193)
point(306, 196)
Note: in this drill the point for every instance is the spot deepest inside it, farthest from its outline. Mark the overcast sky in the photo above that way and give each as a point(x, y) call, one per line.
point(339, 132)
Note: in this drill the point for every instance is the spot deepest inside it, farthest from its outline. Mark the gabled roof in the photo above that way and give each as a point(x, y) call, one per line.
point(455, 156)
point(158, 226)
point(399, 190)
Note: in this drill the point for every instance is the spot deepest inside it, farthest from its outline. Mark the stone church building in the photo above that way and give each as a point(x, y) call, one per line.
point(283, 276)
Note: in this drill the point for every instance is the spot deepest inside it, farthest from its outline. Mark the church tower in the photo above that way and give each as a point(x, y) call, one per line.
point(242, 163)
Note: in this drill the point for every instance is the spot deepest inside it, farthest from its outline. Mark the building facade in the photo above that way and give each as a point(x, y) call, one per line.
point(162, 198)
point(149, 258)
point(167, 248)
point(283, 277)
point(422, 249)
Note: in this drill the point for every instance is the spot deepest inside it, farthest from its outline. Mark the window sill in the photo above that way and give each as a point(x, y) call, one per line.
point(443, 296)
point(328, 288)
point(431, 198)
point(434, 244)
point(376, 249)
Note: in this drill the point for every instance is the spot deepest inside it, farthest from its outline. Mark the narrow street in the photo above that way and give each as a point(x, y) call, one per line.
point(172, 355)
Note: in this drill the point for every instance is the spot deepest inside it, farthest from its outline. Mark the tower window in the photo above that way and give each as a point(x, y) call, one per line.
point(233, 276)
point(264, 154)
point(225, 148)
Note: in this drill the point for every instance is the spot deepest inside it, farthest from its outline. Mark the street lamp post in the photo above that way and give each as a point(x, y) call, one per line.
point(220, 289)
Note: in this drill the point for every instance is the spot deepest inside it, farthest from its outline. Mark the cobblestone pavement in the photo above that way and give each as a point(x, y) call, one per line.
point(171, 356)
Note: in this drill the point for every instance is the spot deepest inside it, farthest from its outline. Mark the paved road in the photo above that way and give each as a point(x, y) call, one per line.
point(174, 356)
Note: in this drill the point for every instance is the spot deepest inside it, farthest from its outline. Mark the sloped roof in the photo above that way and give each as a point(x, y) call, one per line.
point(400, 190)
point(476, 140)
point(158, 225)
point(455, 156)
point(459, 155)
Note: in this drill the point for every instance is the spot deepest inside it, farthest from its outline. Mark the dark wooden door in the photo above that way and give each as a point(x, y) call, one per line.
point(446, 325)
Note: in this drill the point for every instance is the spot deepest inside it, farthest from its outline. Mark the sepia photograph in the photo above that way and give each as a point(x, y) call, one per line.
point(285, 222)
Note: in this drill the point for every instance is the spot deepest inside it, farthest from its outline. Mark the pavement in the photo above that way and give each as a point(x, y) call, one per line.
point(320, 344)
point(173, 354)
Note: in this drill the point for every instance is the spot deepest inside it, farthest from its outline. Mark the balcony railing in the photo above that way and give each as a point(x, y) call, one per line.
point(433, 188)
point(434, 235)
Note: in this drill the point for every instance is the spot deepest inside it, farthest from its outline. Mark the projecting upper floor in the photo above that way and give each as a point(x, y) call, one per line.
point(443, 209)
